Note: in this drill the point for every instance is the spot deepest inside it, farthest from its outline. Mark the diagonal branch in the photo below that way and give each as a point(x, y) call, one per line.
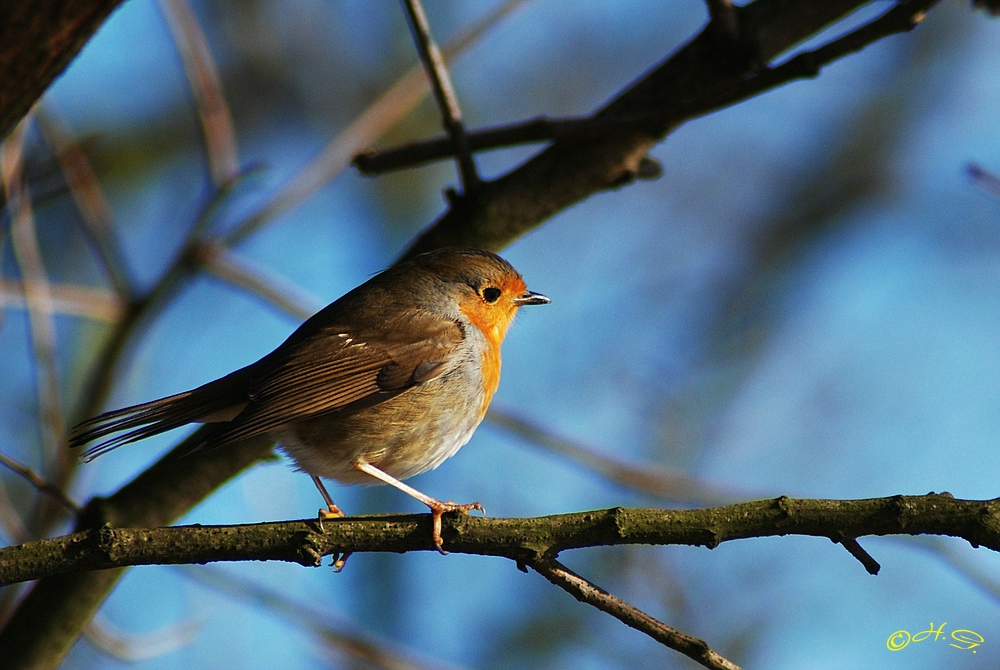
point(591, 594)
point(203, 78)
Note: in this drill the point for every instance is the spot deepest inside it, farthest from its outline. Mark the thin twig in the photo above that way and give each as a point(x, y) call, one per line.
point(203, 77)
point(371, 124)
point(444, 92)
point(95, 213)
point(587, 592)
point(42, 484)
point(239, 271)
point(858, 552)
point(540, 129)
point(664, 483)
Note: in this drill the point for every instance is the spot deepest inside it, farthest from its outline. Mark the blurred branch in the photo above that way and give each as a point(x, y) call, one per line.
point(40, 483)
point(203, 77)
point(98, 226)
point(590, 594)
point(142, 309)
point(541, 129)
point(72, 299)
point(981, 577)
point(444, 92)
point(38, 39)
point(377, 119)
point(342, 636)
point(131, 647)
point(38, 300)
point(239, 271)
point(662, 482)
point(983, 178)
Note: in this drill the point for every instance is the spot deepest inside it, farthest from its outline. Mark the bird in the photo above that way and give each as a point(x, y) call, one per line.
point(388, 381)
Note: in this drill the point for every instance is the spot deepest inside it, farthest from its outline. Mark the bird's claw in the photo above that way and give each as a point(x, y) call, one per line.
point(440, 508)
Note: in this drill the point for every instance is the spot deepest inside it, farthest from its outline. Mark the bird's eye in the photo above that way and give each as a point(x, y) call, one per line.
point(491, 294)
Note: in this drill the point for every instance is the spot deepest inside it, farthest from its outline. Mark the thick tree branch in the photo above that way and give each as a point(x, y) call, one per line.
point(525, 541)
point(38, 39)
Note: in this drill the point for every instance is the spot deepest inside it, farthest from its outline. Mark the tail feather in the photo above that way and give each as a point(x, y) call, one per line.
point(138, 422)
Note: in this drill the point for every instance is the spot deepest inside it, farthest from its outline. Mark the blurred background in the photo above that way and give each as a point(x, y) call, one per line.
point(806, 303)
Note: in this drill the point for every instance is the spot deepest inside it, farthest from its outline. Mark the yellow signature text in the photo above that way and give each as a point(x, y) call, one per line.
point(963, 638)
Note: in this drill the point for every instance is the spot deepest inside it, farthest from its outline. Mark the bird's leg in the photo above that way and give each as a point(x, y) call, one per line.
point(331, 512)
point(437, 507)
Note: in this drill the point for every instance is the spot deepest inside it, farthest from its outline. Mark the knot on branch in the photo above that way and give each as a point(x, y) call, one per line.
point(308, 552)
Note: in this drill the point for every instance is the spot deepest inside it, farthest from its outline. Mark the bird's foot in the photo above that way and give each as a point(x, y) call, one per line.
point(439, 508)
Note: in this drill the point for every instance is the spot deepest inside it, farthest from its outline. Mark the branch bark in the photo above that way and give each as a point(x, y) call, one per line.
point(525, 541)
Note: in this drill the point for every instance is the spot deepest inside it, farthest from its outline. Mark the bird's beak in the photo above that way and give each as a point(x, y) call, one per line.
point(531, 298)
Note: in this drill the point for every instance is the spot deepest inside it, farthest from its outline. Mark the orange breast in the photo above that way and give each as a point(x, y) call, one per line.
point(491, 375)
point(492, 322)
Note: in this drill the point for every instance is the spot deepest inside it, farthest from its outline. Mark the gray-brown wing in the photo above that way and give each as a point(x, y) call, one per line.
point(334, 369)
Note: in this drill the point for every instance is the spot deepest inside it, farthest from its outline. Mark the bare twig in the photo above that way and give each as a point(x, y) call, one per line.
point(42, 484)
point(586, 592)
point(858, 552)
point(650, 479)
point(98, 225)
point(536, 130)
point(371, 124)
point(213, 110)
point(444, 92)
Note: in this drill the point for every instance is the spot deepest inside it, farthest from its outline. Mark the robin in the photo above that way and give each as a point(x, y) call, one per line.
point(383, 384)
